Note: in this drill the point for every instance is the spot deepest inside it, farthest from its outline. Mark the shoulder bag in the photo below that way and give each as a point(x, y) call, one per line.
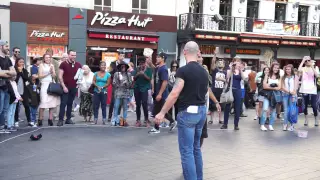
point(55, 89)
point(227, 95)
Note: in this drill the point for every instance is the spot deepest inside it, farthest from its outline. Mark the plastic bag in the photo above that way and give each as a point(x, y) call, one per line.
point(293, 113)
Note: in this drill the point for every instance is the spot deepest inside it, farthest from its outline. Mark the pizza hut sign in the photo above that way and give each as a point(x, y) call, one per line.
point(53, 34)
point(115, 20)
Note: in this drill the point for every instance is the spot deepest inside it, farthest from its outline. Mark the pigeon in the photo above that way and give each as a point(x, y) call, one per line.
point(35, 138)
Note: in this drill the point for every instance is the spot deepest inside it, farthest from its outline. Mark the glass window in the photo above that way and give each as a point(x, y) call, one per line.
point(97, 2)
point(135, 4)
point(140, 6)
point(144, 4)
point(252, 9)
point(102, 5)
point(107, 2)
point(280, 12)
point(303, 14)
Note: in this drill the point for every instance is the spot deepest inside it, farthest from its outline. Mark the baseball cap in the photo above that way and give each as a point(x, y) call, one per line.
point(162, 55)
point(2, 42)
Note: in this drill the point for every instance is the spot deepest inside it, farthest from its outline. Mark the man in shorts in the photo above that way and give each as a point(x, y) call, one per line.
point(218, 82)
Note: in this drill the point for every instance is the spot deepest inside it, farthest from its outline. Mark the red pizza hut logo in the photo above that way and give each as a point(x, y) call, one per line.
point(78, 16)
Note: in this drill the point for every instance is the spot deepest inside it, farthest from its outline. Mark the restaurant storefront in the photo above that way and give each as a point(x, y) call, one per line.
point(114, 31)
point(94, 35)
point(40, 38)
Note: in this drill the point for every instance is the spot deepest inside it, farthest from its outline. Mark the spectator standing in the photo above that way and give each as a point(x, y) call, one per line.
point(142, 77)
point(86, 108)
point(6, 71)
point(16, 53)
point(14, 100)
point(308, 88)
point(161, 91)
point(237, 74)
point(68, 70)
point(121, 82)
point(56, 64)
point(114, 69)
point(191, 88)
point(101, 81)
point(35, 69)
point(218, 82)
point(22, 79)
point(46, 76)
point(34, 99)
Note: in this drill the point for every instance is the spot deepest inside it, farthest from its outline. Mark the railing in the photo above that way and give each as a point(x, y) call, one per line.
point(209, 22)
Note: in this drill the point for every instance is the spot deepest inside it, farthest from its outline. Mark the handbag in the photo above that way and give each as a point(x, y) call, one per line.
point(55, 89)
point(227, 96)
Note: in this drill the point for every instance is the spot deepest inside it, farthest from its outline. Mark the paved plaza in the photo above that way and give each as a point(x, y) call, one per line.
point(86, 152)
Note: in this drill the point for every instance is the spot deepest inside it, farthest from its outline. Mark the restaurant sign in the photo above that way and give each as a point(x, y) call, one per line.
point(123, 37)
point(40, 34)
point(244, 51)
point(276, 28)
point(107, 20)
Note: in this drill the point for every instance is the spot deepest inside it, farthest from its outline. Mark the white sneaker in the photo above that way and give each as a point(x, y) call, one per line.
point(34, 126)
point(16, 124)
point(255, 118)
point(154, 131)
point(31, 123)
point(271, 128)
point(263, 128)
point(291, 128)
point(76, 108)
point(285, 127)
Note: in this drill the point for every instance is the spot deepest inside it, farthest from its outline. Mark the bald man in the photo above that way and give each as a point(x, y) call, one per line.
point(191, 87)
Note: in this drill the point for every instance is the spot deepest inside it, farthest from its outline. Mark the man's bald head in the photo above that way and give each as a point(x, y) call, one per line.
point(191, 51)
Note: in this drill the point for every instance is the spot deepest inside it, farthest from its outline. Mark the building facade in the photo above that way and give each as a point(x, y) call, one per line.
point(252, 30)
point(95, 35)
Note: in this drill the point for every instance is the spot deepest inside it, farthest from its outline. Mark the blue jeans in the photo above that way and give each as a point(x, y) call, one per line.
point(116, 109)
point(265, 109)
point(11, 113)
point(237, 107)
point(189, 132)
point(67, 100)
point(4, 105)
point(100, 98)
point(33, 113)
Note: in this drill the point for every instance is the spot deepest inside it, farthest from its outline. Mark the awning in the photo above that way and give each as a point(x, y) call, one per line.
point(125, 32)
point(123, 35)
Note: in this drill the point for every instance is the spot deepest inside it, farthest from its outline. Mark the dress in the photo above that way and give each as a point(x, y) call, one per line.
point(46, 100)
point(86, 108)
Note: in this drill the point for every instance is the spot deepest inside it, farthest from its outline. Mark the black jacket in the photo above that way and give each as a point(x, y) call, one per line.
point(11, 93)
point(25, 77)
point(113, 65)
point(33, 96)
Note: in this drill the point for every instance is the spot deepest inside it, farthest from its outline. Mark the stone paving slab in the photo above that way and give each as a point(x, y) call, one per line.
point(102, 152)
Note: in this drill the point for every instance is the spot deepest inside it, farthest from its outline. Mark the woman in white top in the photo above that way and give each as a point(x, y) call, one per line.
point(46, 76)
point(270, 83)
point(84, 84)
point(290, 83)
point(308, 87)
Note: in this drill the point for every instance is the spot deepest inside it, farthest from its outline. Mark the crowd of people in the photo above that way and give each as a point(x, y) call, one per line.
point(184, 96)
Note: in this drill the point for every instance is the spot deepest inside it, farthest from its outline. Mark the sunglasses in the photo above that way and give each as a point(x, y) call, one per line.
point(17, 52)
point(174, 66)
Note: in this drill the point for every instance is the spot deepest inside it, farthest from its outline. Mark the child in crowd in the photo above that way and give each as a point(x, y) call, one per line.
point(14, 99)
point(34, 100)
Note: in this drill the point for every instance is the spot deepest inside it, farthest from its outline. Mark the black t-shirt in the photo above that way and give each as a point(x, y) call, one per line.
point(5, 64)
point(195, 88)
point(217, 86)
